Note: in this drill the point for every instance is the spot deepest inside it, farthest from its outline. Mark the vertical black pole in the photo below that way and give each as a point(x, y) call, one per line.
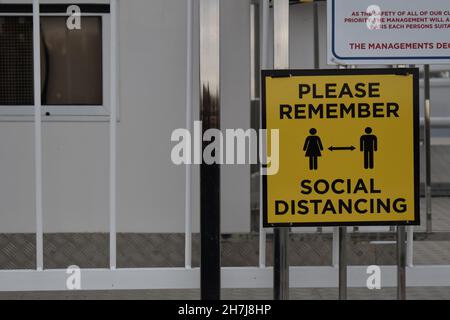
point(401, 263)
point(281, 235)
point(209, 173)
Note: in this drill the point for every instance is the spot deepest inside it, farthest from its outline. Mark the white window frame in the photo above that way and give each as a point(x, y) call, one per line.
point(69, 112)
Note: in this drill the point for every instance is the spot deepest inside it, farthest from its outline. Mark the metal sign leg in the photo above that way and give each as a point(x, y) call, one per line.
point(401, 263)
point(281, 266)
point(316, 50)
point(427, 136)
point(342, 263)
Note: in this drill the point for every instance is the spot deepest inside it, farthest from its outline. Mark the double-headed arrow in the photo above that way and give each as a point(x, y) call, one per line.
point(351, 148)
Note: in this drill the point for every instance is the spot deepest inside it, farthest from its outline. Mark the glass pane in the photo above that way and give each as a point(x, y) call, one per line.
point(72, 62)
point(16, 61)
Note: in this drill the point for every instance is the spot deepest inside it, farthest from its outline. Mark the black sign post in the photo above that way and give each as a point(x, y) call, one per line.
point(209, 173)
point(281, 235)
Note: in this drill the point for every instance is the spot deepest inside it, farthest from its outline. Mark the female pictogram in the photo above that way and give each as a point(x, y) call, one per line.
point(313, 148)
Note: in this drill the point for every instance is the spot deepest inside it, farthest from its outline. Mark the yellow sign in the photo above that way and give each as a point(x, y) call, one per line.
point(348, 147)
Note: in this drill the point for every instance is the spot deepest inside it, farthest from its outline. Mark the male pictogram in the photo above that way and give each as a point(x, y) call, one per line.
point(368, 145)
point(313, 147)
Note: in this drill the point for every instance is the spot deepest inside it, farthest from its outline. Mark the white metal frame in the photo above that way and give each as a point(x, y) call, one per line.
point(178, 278)
point(234, 277)
point(70, 112)
point(38, 135)
point(113, 137)
point(188, 181)
point(264, 48)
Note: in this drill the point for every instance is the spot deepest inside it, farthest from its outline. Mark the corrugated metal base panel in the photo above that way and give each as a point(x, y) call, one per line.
point(17, 251)
point(91, 250)
point(86, 250)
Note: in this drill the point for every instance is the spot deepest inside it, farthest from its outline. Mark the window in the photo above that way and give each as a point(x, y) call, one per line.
point(439, 74)
point(74, 63)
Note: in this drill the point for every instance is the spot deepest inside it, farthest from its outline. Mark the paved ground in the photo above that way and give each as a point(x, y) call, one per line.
point(237, 294)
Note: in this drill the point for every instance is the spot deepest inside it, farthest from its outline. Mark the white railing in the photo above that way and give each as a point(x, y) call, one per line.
point(181, 278)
